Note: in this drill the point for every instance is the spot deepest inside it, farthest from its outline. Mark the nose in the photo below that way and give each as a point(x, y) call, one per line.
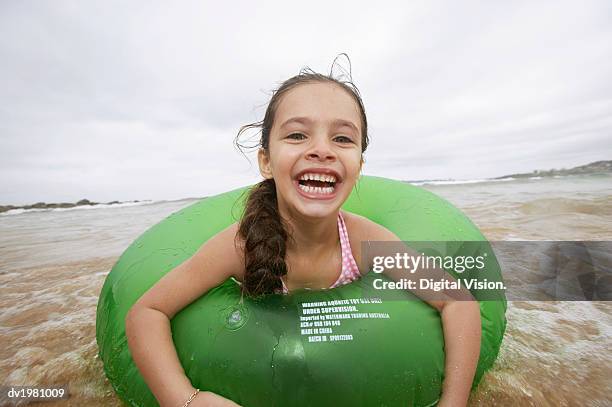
point(321, 150)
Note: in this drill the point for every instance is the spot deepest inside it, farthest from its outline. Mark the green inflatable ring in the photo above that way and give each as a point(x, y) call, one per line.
point(255, 352)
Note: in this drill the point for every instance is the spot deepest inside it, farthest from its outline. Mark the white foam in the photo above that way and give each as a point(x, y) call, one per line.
point(514, 238)
point(458, 181)
point(80, 207)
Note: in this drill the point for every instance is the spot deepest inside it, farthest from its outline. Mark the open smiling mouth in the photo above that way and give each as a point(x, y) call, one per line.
point(317, 184)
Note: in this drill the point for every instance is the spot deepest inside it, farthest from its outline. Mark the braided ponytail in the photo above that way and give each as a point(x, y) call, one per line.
point(264, 237)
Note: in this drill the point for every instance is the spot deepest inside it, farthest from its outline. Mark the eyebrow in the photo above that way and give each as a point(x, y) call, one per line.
point(307, 121)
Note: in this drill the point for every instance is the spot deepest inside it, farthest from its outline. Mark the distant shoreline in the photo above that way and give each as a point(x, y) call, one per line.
point(592, 168)
point(43, 205)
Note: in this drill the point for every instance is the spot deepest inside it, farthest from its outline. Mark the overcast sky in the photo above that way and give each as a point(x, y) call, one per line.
point(123, 100)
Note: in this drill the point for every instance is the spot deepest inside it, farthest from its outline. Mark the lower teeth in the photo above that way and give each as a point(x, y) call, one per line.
point(316, 190)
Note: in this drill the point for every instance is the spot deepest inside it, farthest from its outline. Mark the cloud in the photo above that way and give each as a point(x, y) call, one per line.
point(101, 99)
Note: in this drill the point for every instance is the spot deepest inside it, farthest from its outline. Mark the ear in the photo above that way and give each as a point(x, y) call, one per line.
point(265, 169)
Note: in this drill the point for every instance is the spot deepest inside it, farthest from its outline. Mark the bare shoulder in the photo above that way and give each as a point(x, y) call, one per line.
point(362, 230)
point(236, 245)
point(365, 230)
point(230, 250)
point(218, 259)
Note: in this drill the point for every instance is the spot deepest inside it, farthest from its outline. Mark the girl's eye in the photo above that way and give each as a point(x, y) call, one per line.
point(300, 136)
point(344, 139)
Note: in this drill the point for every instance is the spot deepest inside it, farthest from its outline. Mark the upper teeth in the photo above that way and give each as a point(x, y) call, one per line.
point(318, 177)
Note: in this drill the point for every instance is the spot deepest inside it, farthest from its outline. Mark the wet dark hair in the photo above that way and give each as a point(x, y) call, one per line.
point(263, 232)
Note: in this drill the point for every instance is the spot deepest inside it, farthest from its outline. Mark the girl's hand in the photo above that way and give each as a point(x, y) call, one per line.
point(210, 399)
point(444, 403)
point(447, 402)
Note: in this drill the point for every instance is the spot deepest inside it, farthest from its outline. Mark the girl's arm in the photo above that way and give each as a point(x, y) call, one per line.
point(147, 324)
point(460, 315)
point(461, 325)
point(462, 330)
point(150, 342)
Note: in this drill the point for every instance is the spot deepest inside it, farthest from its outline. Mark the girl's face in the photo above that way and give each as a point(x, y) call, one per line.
point(314, 150)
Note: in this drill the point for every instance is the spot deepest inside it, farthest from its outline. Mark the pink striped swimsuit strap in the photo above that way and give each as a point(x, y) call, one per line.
point(285, 289)
point(350, 270)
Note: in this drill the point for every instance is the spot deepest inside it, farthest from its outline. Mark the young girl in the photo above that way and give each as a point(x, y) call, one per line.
point(292, 235)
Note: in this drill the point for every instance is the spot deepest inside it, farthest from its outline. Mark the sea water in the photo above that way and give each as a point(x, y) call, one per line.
point(53, 264)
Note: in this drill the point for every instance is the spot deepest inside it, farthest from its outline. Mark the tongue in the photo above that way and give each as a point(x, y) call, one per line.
point(312, 183)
